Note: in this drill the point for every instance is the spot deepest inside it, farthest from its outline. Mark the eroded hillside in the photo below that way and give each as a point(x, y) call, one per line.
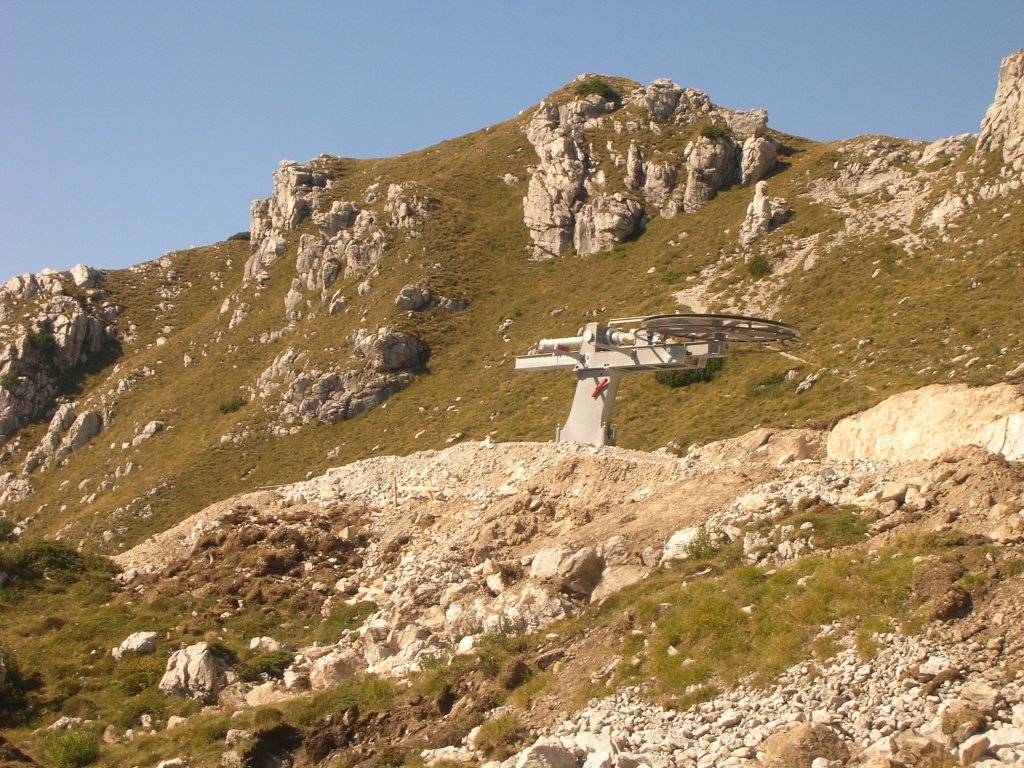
point(481, 601)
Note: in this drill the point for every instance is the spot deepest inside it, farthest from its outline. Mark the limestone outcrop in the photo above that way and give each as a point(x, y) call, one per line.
point(763, 214)
point(759, 215)
point(61, 334)
point(61, 421)
point(926, 423)
point(568, 203)
point(605, 222)
point(712, 165)
point(1002, 128)
point(757, 158)
point(670, 104)
point(85, 277)
point(350, 241)
point(296, 190)
point(556, 186)
point(384, 362)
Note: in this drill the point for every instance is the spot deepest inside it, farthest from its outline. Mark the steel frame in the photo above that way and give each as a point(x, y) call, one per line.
point(602, 353)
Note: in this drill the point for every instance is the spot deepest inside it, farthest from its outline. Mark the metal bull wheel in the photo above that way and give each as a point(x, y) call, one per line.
point(766, 335)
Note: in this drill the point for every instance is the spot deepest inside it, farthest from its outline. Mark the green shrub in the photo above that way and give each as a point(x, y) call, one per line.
point(343, 618)
point(713, 131)
point(834, 526)
point(702, 547)
point(222, 652)
point(770, 385)
point(42, 341)
point(13, 691)
point(271, 663)
point(683, 377)
point(759, 267)
point(495, 650)
point(501, 736)
point(32, 560)
point(8, 379)
point(240, 236)
point(595, 85)
point(232, 405)
point(72, 749)
point(134, 674)
point(389, 757)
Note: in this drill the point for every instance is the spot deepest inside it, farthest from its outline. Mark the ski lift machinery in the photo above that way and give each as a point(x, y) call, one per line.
point(605, 352)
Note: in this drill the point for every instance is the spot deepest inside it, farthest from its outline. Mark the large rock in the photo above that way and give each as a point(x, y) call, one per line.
point(84, 277)
point(928, 422)
point(360, 247)
point(265, 253)
point(557, 184)
point(389, 350)
point(659, 185)
point(341, 215)
point(679, 544)
point(139, 643)
point(61, 336)
point(713, 165)
point(798, 746)
point(523, 609)
point(61, 421)
point(21, 287)
point(950, 146)
point(746, 125)
point(634, 178)
point(546, 756)
point(334, 668)
point(668, 103)
point(759, 215)
point(608, 221)
point(82, 431)
point(386, 361)
point(195, 672)
point(296, 189)
point(413, 298)
point(758, 158)
point(406, 209)
point(581, 572)
point(575, 572)
point(1003, 124)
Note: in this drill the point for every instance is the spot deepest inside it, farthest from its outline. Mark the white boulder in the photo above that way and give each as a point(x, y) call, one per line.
point(196, 672)
point(140, 643)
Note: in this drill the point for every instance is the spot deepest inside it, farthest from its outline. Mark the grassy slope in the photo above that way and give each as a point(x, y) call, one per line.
point(920, 312)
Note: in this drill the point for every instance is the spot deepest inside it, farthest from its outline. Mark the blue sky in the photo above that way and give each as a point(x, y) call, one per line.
point(130, 128)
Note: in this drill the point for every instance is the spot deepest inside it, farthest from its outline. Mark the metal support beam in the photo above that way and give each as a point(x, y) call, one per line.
point(601, 354)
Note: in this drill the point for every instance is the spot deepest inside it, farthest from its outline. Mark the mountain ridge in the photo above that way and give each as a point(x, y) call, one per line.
point(375, 309)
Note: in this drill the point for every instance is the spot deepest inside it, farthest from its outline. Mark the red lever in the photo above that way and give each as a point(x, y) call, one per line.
point(599, 388)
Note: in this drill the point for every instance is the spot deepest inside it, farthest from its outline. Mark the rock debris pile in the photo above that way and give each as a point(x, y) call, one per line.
point(444, 547)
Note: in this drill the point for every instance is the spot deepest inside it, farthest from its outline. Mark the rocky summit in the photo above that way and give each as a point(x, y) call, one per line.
point(283, 500)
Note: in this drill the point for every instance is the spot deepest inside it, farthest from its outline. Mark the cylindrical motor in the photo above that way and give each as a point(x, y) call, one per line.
point(567, 344)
